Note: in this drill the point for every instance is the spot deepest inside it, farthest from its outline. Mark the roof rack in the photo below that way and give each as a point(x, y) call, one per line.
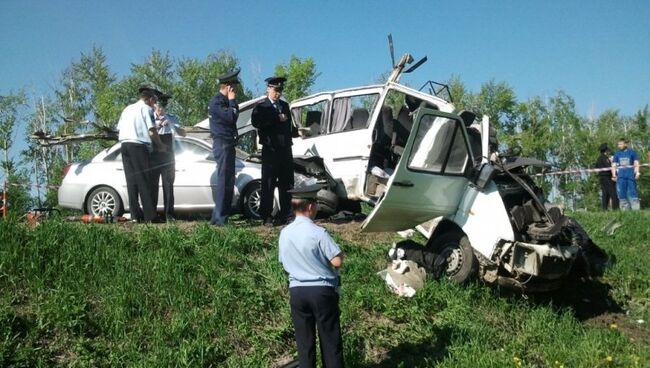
point(439, 90)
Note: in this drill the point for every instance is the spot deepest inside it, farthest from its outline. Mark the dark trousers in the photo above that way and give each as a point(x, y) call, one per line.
point(608, 192)
point(277, 171)
point(135, 160)
point(224, 185)
point(311, 307)
point(163, 167)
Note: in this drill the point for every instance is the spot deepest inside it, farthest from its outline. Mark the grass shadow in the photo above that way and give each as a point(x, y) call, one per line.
point(585, 298)
point(417, 354)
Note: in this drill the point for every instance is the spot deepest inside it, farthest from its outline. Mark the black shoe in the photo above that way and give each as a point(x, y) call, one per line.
point(170, 218)
point(268, 222)
point(279, 222)
point(158, 220)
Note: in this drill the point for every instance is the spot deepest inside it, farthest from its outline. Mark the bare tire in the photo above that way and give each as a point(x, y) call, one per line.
point(328, 202)
point(251, 200)
point(460, 263)
point(104, 200)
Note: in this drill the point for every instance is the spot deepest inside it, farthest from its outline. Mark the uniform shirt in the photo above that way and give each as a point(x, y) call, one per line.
point(170, 127)
point(305, 252)
point(135, 122)
point(625, 157)
point(273, 132)
point(223, 114)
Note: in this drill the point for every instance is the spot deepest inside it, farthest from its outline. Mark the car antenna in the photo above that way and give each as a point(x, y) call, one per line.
point(392, 51)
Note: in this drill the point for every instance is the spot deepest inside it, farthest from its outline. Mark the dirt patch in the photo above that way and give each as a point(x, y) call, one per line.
point(351, 232)
point(619, 321)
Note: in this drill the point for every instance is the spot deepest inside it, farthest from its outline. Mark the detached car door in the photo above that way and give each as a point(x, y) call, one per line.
point(430, 178)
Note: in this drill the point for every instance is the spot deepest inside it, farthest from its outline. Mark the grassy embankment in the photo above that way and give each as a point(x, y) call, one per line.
point(104, 295)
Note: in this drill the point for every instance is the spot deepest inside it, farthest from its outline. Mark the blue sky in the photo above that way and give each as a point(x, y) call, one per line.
point(596, 51)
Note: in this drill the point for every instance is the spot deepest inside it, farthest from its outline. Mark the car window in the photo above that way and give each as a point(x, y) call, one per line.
point(439, 146)
point(312, 117)
point(352, 112)
point(114, 156)
point(189, 151)
point(247, 142)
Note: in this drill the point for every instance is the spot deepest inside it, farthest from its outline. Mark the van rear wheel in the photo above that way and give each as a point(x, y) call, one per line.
point(460, 263)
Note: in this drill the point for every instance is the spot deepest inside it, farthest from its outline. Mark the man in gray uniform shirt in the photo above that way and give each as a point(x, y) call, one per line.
point(312, 259)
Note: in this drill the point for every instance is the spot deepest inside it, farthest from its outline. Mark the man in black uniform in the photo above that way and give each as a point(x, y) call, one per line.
point(163, 163)
point(607, 185)
point(223, 112)
point(272, 119)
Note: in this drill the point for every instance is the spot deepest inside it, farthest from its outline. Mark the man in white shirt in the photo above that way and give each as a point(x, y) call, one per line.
point(137, 131)
point(163, 165)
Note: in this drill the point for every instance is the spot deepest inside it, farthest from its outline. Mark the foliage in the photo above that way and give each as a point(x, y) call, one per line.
point(301, 75)
point(550, 129)
point(103, 295)
point(10, 106)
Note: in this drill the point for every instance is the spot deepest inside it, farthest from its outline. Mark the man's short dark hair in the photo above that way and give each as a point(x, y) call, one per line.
point(147, 93)
point(623, 139)
point(301, 204)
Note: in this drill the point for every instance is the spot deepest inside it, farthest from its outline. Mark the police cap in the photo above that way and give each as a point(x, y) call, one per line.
point(163, 99)
point(305, 191)
point(229, 78)
point(276, 82)
point(145, 91)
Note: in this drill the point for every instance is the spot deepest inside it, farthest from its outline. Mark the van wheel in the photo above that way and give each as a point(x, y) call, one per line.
point(460, 263)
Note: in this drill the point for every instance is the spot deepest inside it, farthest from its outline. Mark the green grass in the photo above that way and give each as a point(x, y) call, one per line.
point(102, 296)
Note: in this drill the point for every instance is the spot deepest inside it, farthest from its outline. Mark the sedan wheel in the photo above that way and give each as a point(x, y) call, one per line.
point(104, 200)
point(251, 201)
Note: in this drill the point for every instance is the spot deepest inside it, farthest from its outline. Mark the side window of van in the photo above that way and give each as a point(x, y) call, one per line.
point(352, 112)
point(312, 118)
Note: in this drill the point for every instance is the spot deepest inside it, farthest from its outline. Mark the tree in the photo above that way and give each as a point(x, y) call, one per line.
point(44, 163)
point(197, 84)
point(10, 106)
point(301, 75)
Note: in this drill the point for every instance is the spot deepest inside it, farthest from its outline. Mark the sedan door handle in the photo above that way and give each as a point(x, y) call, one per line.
point(405, 184)
point(119, 169)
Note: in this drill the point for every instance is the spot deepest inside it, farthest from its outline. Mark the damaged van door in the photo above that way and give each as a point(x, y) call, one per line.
point(431, 176)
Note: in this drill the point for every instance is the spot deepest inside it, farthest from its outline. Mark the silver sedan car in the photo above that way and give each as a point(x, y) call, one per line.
point(98, 186)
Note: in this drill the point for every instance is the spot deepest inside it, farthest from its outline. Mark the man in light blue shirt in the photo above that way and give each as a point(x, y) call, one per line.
point(312, 259)
point(137, 132)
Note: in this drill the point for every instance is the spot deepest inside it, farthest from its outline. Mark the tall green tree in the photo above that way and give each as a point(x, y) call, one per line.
point(197, 84)
point(17, 195)
point(10, 107)
point(301, 75)
point(43, 164)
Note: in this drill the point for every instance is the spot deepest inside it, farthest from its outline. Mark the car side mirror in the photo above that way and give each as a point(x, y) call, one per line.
point(483, 175)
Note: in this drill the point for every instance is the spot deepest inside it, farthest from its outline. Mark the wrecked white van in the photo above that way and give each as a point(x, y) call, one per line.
point(424, 165)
